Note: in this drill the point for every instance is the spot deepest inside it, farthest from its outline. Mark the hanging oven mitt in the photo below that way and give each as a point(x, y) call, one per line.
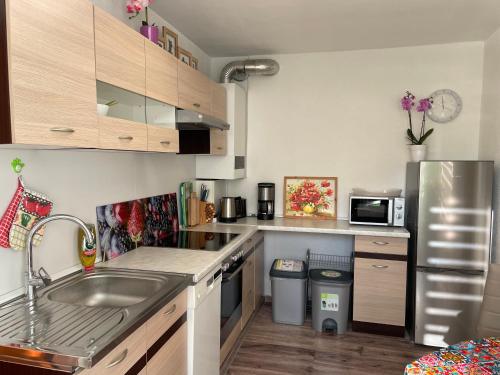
point(33, 206)
point(9, 214)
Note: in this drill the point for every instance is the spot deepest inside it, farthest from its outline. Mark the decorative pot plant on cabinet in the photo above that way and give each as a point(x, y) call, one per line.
point(135, 7)
point(418, 149)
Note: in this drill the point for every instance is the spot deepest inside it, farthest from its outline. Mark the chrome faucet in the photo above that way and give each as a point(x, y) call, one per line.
point(32, 280)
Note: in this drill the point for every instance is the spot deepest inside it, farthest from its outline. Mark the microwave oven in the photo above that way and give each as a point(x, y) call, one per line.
point(386, 211)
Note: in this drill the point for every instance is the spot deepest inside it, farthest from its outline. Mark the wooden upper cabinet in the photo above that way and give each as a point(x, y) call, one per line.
point(51, 73)
point(219, 106)
point(120, 56)
point(194, 89)
point(161, 74)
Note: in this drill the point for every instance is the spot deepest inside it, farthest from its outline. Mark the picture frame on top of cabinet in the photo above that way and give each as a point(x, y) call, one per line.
point(194, 63)
point(310, 197)
point(185, 56)
point(161, 44)
point(171, 41)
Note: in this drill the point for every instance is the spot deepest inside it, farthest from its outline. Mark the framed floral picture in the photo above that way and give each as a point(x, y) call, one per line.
point(310, 197)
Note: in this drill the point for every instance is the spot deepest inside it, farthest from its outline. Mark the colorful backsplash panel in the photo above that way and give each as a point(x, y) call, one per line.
point(125, 226)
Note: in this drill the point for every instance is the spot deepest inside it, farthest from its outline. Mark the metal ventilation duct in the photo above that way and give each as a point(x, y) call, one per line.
point(240, 70)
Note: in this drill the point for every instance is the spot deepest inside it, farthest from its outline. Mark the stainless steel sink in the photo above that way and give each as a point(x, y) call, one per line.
point(108, 289)
point(76, 321)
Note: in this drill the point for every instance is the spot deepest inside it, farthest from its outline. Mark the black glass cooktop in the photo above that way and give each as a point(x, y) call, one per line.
point(193, 240)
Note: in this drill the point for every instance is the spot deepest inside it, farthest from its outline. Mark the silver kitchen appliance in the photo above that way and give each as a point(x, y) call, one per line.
point(449, 216)
point(265, 205)
point(228, 210)
point(376, 210)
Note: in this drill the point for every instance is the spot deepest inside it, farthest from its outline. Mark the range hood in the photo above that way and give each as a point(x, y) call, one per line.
point(191, 120)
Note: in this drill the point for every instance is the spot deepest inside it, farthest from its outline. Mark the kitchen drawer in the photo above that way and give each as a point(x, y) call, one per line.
point(123, 357)
point(194, 89)
point(162, 139)
point(218, 142)
point(163, 319)
point(379, 291)
point(171, 359)
point(118, 134)
point(381, 245)
point(248, 290)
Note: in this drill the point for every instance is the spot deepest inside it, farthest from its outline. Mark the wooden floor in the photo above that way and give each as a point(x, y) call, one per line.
point(276, 349)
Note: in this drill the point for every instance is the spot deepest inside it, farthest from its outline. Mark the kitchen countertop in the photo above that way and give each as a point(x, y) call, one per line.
point(200, 263)
point(318, 226)
point(195, 262)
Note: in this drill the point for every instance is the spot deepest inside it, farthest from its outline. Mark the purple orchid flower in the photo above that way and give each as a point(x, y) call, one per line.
point(424, 105)
point(407, 101)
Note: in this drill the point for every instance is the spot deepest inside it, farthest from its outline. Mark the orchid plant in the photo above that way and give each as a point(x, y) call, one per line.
point(407, 103)
point(136, 6)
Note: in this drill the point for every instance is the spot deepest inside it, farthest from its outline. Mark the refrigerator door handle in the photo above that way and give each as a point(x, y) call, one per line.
point(444, 270)
point(492, 225)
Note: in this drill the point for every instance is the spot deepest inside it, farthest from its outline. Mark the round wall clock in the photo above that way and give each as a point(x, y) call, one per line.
point(446, 107)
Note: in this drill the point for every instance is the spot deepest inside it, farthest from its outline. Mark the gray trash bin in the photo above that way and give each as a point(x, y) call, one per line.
point(288, 288)
point(331, 294)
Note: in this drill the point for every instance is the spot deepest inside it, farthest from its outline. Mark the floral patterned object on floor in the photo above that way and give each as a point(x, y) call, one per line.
point(125, 226)
point(472, 357)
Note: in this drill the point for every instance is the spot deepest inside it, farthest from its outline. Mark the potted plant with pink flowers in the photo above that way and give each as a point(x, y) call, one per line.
point(136, 7)
point(418, 149)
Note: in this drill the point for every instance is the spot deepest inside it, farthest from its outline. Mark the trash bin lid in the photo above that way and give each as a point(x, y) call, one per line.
point(289, 269)
point(331, 276)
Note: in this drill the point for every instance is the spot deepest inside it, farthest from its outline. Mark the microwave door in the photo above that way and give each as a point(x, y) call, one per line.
point(370, 211)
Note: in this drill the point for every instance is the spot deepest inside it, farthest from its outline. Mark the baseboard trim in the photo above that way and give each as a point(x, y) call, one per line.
point(378, 329)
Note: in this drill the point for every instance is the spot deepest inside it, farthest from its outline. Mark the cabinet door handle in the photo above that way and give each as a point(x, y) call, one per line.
point(125, 138)
point(165, 142)
point(197, 105)
point(62, 130)
point(380, 243)
point(380, 266)
point(219, 148)
point(121, 357)
point(171, 310)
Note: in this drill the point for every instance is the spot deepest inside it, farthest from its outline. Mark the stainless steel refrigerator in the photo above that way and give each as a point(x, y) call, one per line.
point(449, 216)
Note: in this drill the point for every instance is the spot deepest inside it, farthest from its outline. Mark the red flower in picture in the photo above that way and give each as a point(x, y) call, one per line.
point(308, 196)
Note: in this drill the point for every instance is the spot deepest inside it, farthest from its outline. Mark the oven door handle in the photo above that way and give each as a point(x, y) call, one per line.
point(233, 274)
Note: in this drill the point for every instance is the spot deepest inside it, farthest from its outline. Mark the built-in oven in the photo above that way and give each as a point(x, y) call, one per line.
point(387, 211)
point(231, 294)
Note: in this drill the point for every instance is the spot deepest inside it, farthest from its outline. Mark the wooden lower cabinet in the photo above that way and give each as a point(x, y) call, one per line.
point(379, 298)
point(158, 347)
point(248, 295)
point(171, 359)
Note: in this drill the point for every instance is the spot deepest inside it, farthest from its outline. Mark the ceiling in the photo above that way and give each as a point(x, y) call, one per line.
point(259, 27)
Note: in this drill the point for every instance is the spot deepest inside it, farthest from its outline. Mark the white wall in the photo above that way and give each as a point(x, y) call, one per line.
point(489, 143)
point(338, 114)
point(117, 8)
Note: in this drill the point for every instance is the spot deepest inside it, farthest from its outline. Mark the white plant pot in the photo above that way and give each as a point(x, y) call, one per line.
point(418, 152)
point(102, 109)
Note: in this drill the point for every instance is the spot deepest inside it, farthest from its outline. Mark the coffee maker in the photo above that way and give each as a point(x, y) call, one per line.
point(265, 209)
